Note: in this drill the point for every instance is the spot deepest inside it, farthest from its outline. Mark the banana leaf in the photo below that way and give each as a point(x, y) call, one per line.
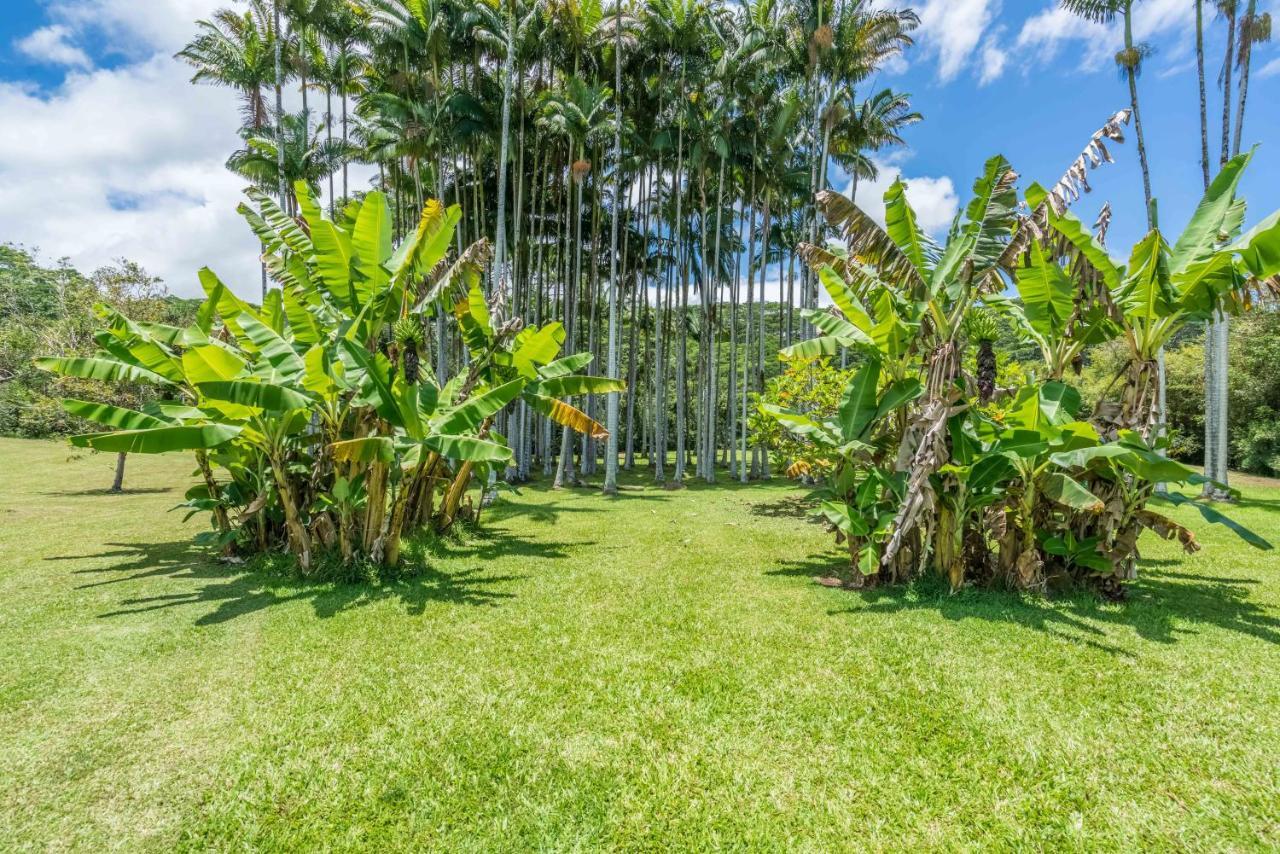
point(159, 440)
point(103, 370)
point(257, 394)
point(471, 415)
point(467, 448)
point(117, 417)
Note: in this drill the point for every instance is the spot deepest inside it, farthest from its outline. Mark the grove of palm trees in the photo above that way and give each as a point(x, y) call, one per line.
point(612, 446)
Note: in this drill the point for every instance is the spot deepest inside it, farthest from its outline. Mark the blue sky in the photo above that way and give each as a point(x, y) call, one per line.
point(107, 151)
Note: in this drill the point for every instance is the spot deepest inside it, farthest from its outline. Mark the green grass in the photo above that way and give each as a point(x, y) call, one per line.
point(653, 672)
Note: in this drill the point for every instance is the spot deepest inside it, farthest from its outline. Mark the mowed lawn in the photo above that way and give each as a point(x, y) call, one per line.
point(653, 672)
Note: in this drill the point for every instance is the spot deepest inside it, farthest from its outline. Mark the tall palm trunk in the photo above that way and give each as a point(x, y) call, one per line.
point(1248, 32)
point(1204, 109)
point(611, 407)
point(1216, 379)
point(564, 468)
point(1131, 64)
point(762, 451)
point(342, 74)
point(659, 453)
point(1211, 327)
point(279, 74)
point(746, 356)
point(1131, 75)
point(1226, 82)
point(713, 275)
point(731, 386)
point(679, 235)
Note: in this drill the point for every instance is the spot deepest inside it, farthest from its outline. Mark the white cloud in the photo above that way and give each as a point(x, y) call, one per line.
point(1155, 17)
point(994, 59)
point(1044, 34)
point(953, 29)
point(130, 159)
point(934, 199)
point(137, 28)
point(52, 45)
point(1271, 69)
point(129, 165)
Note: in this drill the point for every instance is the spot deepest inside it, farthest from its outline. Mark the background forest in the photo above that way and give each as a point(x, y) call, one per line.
point(669, 147)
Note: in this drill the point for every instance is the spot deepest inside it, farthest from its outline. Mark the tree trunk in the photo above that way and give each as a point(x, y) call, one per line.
point(299, 539)
point(1204, 110)
point(117, 485)
point(1247, 35)
point(280, 145)
point(611, 406)
point(1131, 74)
point(1226, 84)
point(746, 356)
point(680, 235)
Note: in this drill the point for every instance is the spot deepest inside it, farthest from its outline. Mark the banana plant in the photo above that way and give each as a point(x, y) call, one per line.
point(1011, 485)
point(330, 430)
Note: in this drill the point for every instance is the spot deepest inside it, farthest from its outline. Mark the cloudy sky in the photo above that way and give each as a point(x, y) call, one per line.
point(107, 151)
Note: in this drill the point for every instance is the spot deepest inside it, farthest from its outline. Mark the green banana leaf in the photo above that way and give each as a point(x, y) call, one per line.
point(1205, 232)
point(1069, 492)
point(103, 370)
point(577, 384)
point(255, 393)
point(471, 414)
point(467, 448)
point(564, 367)
point(859, 402)
point(159, 440)
point(1209, 514)
point(903, 228)
point(813, 348)
point(278, 352)
point(371, 246)
point(117, 417)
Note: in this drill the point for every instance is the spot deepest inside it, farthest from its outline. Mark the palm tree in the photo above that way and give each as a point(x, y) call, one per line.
point(306, 157)
point(619, 189)
point(856, 132)
point(342, 26)
point(1129, 61)
point(699, 158)
point(1204, 113)
point(1254, 29)
point(236, 50)
point(1242, 34)
point(279, 77)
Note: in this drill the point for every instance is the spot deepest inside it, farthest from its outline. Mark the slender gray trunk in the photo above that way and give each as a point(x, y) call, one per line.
point(117, 484)
point(611, 406)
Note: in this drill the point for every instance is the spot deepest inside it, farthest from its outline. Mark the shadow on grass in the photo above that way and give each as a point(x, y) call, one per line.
point(1162, 605)
point(106, 492)
point(789, 507)
point(229, 591)
point(1266, 505)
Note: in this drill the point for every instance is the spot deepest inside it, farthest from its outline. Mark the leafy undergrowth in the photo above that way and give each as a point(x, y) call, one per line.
point(653, 671)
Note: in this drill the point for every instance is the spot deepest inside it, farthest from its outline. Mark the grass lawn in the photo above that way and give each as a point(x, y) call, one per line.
point(654, 672)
